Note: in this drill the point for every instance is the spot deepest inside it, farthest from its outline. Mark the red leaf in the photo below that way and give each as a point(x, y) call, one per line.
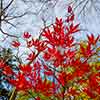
point(48, 73)
point(16, 44)
point(74, 29)
point(26, 35)
point(69, 9)
point(7, 70)
point(31, 56)
point(71, 18)
point(37, 98)
point(92, 39)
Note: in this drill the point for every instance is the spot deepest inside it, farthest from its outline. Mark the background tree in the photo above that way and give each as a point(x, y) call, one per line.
point(88, 12)
point(7, 58)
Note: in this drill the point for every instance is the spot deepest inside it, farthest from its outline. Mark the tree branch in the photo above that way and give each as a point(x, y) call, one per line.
point(8, 34)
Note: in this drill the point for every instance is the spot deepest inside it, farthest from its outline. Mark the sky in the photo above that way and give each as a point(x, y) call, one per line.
point(32, 22)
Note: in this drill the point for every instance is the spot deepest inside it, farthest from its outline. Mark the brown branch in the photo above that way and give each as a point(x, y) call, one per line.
point(8, 34)
point(14, 17)
point(84, 7)
point(13, 94)
point(33, 58)
point(81, 2)
point(8, 5)
point(10, 23)
point(1, 7)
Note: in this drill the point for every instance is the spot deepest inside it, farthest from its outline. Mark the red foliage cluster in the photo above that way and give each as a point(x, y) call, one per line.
point(6, 69)
point(68, 63)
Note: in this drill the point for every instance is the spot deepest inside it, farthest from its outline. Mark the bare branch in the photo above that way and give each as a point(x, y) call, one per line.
point(14, 17)
point(8, 5)
point(8, 34)
point(10, 23)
